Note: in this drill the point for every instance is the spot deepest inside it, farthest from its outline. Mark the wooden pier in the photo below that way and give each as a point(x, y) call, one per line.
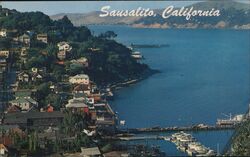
point(173, 129)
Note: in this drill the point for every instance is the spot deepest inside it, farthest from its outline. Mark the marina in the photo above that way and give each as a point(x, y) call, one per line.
point(187, 143)
point(184, 142)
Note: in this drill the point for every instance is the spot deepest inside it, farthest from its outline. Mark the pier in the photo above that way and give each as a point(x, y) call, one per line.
point(172, 129)
point(136, 138)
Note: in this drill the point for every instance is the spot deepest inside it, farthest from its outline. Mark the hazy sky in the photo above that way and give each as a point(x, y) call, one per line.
point(54, 7)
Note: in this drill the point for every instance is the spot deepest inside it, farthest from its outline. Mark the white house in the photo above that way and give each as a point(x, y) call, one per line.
point(3, 32)
point(64, 46)
point(23, 77)
point(79, 79)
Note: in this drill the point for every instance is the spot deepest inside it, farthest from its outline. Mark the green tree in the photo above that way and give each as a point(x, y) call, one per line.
point(108, 35)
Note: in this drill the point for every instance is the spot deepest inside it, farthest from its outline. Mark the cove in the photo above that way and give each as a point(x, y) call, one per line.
point(204, 73)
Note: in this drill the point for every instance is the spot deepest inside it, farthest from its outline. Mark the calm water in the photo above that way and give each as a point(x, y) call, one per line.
point(204, 73)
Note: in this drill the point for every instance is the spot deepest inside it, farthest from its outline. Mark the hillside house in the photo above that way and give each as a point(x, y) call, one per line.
point(3, 32)
point(90, 152)
point(79, 79)
point(61, 54)
point(23, 77)
point(42, 37)
point(3, 150)
point(4, 53)
point(25, 38)
point(82, 88)
point(64, 46)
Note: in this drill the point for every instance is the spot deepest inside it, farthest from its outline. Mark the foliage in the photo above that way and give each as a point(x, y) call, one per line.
point(241, 140)
point(42, 92)
point(5, 43)
point(54, 100)
point(108, 35)
point(72, 123)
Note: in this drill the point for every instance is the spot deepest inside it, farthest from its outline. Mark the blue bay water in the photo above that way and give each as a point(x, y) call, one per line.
point(204, 73)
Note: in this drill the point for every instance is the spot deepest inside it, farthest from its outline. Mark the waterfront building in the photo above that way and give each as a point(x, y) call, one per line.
point(36, 77)
point(13, 108)
point(81, 61)
point(23, 100)
point(34, 119)
point(25, 38)
point(82, 88)
point(23, 52)
point(24, 103)
point(77, 104)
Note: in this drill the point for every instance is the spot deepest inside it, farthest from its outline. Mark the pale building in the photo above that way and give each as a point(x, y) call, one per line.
point(64, 46)
point(42, 37)
point(4, 53)
point(79, 79)
point(3, 32)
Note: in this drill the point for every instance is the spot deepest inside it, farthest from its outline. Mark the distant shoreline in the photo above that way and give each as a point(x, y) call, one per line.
point(159, 26)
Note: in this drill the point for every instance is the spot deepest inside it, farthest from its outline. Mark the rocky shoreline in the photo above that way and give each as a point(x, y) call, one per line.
point(126, 83)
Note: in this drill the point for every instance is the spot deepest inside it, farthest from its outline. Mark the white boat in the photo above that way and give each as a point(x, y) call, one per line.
point(231, 121)
point(122, 122)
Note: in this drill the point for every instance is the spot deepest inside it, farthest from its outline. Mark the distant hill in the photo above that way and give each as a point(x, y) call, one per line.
point(222, 4)
point(93, 18)
point(233, 15)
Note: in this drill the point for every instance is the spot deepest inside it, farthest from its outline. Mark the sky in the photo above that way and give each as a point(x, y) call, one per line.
point(55, 7)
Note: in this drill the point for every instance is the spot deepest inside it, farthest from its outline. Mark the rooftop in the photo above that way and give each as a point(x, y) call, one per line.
point(90, 151)
point(81, 76)
point(22, 117)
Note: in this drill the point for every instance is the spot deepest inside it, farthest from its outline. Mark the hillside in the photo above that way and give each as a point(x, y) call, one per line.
point(233, 15)
point(241, 141)
point(93, 18)
point(111, 62)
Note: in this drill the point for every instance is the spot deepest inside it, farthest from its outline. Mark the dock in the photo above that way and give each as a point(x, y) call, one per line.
point(136, 138)
point(180, 128)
